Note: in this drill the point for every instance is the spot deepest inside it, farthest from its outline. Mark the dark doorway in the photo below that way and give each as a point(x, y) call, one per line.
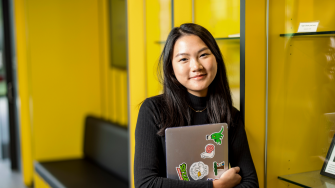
point(9, 135)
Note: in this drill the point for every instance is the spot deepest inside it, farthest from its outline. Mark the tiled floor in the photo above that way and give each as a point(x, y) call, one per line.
point(9, 178)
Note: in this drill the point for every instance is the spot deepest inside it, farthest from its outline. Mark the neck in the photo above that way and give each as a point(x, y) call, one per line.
point(197, 103)
point(202, 93)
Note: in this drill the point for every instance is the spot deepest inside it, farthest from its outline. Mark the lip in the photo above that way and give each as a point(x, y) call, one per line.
point(198, 77)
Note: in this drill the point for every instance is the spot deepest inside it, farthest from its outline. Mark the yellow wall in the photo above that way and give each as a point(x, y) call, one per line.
point(118, 93)
point(62, 53)
point(136, 68)
point(255, 69)
point(157, 27)
point(24, 91)
point(182, 12)
point(117, 67)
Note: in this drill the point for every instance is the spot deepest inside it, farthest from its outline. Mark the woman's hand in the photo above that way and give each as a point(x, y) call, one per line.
point(228, 179)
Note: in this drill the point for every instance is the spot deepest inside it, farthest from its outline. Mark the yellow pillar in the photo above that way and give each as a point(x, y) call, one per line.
point(255, 80)
point(24, 94)
point(136, 68)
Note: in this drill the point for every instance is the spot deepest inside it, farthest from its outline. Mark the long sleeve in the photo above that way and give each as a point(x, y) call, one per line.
point(239, 154)
point(150, 163)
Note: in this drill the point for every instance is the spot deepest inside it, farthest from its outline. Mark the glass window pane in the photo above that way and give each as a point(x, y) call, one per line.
point(301, 88)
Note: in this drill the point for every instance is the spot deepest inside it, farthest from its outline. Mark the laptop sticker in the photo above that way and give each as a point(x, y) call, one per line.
point(182, 172)
point(209, 151)
point(216, 137)
point(198, 170)
point(217, 166)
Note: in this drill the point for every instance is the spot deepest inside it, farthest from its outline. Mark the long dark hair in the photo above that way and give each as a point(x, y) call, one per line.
point(175, 110)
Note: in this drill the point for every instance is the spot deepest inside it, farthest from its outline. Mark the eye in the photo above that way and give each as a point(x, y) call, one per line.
point(183, 59)
point(204, 55)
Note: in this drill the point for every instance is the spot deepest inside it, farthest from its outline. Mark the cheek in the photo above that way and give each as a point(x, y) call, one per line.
point(212, 68)
point(215, 69)
point(179, 71)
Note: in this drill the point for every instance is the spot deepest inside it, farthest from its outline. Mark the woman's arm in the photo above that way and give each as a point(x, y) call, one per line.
point(149, 163)
point(228, 179)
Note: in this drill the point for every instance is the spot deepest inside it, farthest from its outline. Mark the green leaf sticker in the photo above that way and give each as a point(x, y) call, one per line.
point(182, 172)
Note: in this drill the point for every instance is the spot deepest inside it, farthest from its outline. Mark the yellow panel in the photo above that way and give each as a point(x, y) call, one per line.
point(220, 17)
point(64, 53)
point(136, 67)
point(124, 98)
point(301, 88)
point(105, 58)
point(113, 91)
point(117, 66)
point(60, 53)
point(182, 12)
point(23, 90)
point(158, 19)
point(117, 93)
point(39, 182)
point(255, 67)
point(118, 33)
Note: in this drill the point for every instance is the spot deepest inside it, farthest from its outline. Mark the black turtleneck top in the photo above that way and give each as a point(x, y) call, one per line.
point(150, 156)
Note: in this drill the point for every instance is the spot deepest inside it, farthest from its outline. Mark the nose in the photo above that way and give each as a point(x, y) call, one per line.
point(196, 65)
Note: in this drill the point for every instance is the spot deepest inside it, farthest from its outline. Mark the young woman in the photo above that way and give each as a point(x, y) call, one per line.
point(196, 91)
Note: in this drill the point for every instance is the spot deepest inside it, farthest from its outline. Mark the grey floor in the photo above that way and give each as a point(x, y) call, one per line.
point(9, 178)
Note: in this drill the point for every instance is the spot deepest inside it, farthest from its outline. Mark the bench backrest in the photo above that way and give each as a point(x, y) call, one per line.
point(107, 145)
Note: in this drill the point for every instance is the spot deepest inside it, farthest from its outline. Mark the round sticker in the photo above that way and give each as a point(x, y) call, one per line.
point(198, 170)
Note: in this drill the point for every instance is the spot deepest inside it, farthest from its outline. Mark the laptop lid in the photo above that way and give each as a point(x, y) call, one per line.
point(197, 152)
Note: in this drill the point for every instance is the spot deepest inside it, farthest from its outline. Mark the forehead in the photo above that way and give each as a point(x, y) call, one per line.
point(188, 44)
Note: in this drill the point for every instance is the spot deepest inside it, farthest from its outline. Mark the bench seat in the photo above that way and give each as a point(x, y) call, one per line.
point(77, 173)
point(105, 162)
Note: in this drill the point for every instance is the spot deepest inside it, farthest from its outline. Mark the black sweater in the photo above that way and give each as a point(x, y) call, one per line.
point(150, 156)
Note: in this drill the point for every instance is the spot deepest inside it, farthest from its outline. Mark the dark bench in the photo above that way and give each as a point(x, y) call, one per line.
point(105, 162)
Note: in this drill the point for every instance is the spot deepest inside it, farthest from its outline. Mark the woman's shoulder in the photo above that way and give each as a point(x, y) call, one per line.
point(154, 102)
point(236, 116)
point(151, 109)
point(152, 105)
point(235, 113)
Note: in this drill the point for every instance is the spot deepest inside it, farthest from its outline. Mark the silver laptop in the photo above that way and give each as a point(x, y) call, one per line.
point(197, 152)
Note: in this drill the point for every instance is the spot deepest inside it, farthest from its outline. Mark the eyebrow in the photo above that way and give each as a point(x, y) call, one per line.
point(202, 49)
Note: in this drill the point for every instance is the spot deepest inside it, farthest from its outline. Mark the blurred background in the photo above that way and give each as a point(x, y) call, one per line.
point(62, 60)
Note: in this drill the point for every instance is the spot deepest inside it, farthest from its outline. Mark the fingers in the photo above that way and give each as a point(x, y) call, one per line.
point(239, 178)
point(237, 169)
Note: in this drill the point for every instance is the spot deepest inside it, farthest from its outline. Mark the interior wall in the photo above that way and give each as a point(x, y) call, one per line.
point(61, 54)
point(255, 82)
point(117, 67)
point(136, 69)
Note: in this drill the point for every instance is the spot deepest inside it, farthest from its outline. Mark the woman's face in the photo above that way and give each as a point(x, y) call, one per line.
point(193, 64)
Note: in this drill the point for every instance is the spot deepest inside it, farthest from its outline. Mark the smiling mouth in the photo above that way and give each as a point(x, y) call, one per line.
point(197, 77)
